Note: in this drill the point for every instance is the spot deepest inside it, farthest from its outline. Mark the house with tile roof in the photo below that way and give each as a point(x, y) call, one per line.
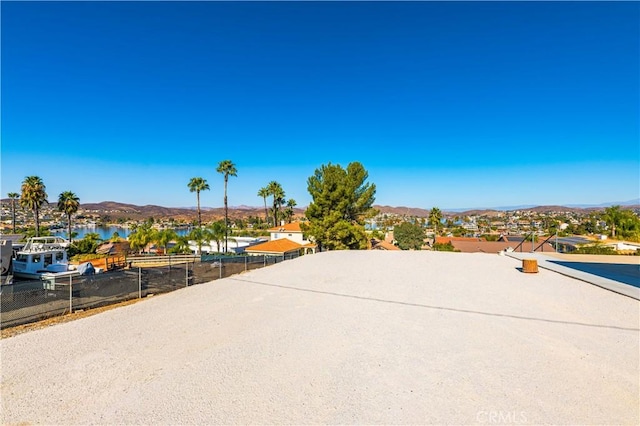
point(286, 239)
point(292, 231)
point(481, 245)
point(382, 245)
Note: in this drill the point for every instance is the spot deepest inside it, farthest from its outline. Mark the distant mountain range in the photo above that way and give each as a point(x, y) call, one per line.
point(213, 213)
point(575, 206)
point(121, 210)
point(132, 211)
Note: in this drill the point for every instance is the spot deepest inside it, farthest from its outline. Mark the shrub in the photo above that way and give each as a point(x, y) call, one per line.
point(595, 249)
point(444, 247)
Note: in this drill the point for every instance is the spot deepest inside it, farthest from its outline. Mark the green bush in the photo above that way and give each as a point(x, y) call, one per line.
point(86, 257)
point(595, 249)
point(443, 247)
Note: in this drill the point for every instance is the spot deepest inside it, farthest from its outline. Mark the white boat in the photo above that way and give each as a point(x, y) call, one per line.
point(6, 253)
point(41, 255)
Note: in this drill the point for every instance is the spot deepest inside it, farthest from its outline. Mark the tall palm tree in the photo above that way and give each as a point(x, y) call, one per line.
point(33, 196)
point(68, 203)
point(291, 203)
point(264, 193)
point(196, 185)
point(435, 216)
point(13, 196)
point(276, 191)
point(227, 168)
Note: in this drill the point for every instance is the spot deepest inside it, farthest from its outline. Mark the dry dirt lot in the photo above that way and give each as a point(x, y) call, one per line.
point(341, 338)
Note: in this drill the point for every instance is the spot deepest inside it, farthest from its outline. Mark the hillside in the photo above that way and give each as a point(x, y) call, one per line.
point(116, 210)
point(122, 210)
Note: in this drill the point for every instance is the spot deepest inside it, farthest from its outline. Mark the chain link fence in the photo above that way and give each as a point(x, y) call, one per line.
point(25, 302)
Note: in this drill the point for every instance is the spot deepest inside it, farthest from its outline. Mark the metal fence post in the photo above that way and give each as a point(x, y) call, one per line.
point(220, 267)
point(70, 295)
point(186, 274)
point(245, 263)
point(139, 282)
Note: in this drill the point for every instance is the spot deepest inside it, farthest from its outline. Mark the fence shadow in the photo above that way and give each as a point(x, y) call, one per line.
point(25, 302)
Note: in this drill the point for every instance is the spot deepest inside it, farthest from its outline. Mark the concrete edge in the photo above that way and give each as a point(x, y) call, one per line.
point(605, 283)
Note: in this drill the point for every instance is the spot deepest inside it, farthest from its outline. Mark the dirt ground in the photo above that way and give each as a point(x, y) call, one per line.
point(203, 272)
point(14, 331)
point(355, 337)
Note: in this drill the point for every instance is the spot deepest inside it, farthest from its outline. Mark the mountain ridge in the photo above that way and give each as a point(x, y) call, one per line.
point(213, 213)
point(117, 209)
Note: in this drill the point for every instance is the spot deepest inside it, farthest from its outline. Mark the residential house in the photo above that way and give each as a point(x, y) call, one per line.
point(286, 240)
point(382, 245)
point(291, 231)
point(480, 245)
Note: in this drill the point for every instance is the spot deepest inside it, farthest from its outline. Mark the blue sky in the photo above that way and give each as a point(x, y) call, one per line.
point(447, 104)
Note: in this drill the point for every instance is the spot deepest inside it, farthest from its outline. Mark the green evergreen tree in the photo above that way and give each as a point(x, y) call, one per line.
point(342, 200)
point(409, 236)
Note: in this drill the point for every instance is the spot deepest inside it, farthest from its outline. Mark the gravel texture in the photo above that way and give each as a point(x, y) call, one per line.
point(361, 337)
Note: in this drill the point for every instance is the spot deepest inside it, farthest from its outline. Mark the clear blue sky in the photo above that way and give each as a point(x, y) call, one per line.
point(446, 104)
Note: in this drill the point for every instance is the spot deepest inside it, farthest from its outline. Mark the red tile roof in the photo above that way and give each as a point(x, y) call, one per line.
point(287, 227)
point(495, 246)
point(279, 246)
point(445, 240)
point(382, 245)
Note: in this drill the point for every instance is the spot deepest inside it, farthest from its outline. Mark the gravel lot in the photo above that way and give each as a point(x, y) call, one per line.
point(341, 338)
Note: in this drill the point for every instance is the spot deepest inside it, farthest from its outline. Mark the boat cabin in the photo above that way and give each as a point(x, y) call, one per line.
point(41, 255)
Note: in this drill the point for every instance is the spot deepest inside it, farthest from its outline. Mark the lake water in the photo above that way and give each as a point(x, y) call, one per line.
point(105, 232)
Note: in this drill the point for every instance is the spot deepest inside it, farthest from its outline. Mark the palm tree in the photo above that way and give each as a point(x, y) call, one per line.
point(227, 168)
point(164, 237)
point(13, 196)
point(68, 203)
point(140, 237)
point(275, 190)
point(33, 196)
point(218, 232)
point(182, 245)
point(196, 185)
point(200, 236)
point(264, 193)
point(291, 203)
point(435, 216)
